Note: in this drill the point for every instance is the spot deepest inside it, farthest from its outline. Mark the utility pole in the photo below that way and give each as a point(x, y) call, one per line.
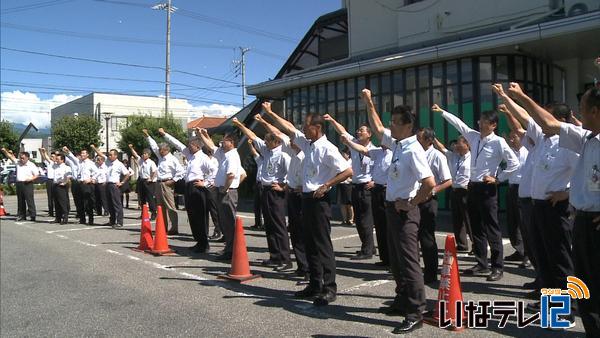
point(242, 69)
point(169, 8)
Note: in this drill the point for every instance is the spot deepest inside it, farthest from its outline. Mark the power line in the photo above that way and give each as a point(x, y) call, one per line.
point(33, 6)
point(110, 63)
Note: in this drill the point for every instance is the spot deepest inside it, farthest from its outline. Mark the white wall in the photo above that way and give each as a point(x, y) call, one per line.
point(32, 146)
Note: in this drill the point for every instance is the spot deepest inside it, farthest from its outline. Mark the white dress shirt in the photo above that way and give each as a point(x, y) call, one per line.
point(169, 167)
point(382, 158)
point(213, 165)
point(229, 163)
point(101, 173)
point(259, 163)
point(553, 166)
point(275, 163)
point(198, 167)
point(86, 169)
point(115, 169)
point(521, 154)
point(294, 176)
point(362, 166)
point(322, 161)
point(438, 164)
point(49, 169)
point(585, 183)
point(147, 167)
point(27, 171)
point(62, 173)
point(460, 168)
point(487, 152)
point(409, 167)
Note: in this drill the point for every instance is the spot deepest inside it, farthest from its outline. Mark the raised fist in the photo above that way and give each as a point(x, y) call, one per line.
point(436, 108)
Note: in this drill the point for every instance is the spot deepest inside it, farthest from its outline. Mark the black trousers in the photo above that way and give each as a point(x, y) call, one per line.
point(403, 228)
point(528, 232)
point(258, 190)
point(554, 231)
point(60, 194)
point(227, 212)
point(77, 199)
point(115, 207)
point(213, 197)
point(25, 201)
point(49, 190)
point(101, 200)
point(586, 241)
point(195, 206)
point(147, 192)
point(460, 218)
point(380, 220)
point(316, 214)
point(429, 248)
point(273, 209)
point(88, 201)
point(483, 213)
point(513, 218)
point(296, 226)
point(363, 217)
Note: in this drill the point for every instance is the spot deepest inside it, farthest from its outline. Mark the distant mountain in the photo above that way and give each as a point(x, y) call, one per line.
point(41, 133)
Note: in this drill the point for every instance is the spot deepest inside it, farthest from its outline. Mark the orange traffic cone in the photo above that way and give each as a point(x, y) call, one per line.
point(450, 292)
point(240, 268)
point(2, 211)
point(146, 241)
point(161, 244)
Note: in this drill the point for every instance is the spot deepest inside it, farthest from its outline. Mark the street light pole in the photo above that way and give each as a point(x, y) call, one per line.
point(169, 8)
point(107, 117)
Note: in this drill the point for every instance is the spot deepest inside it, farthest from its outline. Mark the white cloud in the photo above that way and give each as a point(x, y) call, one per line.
point(26, 107)
point(217, 110)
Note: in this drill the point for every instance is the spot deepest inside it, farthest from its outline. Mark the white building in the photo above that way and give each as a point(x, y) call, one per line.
point(420, 52)
point(32, 146)
point(117, 107)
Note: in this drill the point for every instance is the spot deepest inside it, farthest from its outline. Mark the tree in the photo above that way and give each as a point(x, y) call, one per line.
point(76, 132)
point(132, 133)
point(9, 139)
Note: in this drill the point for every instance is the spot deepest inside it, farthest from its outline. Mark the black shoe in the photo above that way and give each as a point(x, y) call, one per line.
point(496, 275)
point(382, 264)
point(269, 262)
point(408, 326)
point(568, 318)
point(392, 310)
point(32, 219)
point(514, 257)
point(324, 298)
point(307, 292)
point(91, 222)
point(471, 253)
point(50, 214)
point(477, 270)
point(530, 285)
point(20, 218)
point(117, 226)
point(82, 221)
point(533, 295)
point(526, 264)
point(153, 217)
point(201, 249)
point(224, 257)
point(221, 240)
point(283, 267)
point(361, 257)
point(216, 235)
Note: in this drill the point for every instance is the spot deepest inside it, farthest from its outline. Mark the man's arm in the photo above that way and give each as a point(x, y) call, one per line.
point(462, 128)
point(513, 123)
point(549, 124)
point(71, 156)
point(253, 151)
point(511, 159)
point(45, 156)
point(203, 134)
point(152, 143)
point(374, 119)
point(269, 127)
point(285, 126)
point(355, 146)
point(134, 153)
point(98, 151)
point(517, 111)
point(340, 177)
point(249, 133)
point(440, 146)
point(336, 125)
point(427, 185)
point(9, 155)
point(174, 142)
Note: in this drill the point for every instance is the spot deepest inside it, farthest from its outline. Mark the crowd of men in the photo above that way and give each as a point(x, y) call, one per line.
point(550, 160)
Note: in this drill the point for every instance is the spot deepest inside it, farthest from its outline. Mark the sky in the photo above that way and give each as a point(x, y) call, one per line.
point(47, 45)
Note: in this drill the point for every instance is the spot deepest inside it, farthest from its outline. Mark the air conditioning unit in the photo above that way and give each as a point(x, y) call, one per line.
point(578, 7)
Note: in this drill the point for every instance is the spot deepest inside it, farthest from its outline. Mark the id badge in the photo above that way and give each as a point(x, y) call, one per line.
point(594, 180)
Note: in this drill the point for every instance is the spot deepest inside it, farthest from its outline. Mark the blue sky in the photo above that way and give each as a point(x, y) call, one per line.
point(204, 35)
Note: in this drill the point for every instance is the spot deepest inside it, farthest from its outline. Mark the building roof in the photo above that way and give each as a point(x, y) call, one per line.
point(206, 122)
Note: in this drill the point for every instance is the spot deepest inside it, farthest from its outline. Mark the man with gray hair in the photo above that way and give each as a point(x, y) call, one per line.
point(169, 172)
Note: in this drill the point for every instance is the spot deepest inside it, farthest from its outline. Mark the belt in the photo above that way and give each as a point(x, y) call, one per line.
point(359, 184)
point(477, 183)
point(588, 214)
point(165, 180)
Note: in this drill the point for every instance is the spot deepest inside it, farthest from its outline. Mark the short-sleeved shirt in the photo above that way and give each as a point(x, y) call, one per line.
point(585, 182)
point(147, 167)
point(362, 166)
point(27, 171)
point(114, 171)
point(460, 168)
point(229, 163)
point(294, 177)
point(438, 164)
point(408, 168)
point(322, 161)
point(521, 154)
point(382, 158)
point(275, 163)
point(62, 173)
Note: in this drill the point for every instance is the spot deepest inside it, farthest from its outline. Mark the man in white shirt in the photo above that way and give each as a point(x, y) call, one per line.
point(60, 180)
point(555, 168)
point(27, 172)
point(86, 170)
point(323, 168)
point(213, 194)
point(196, 195)
point(49, 162)
point(170, 171)
point(459, 162)
point(258, 159)
point(429, 208)
point(488, 150)
point(100, 187)
point(273, 174)
point(148, 175)
point(115, 170)
point(410, 182)
point(227, 180)
point(362, 185)
point(382, 159)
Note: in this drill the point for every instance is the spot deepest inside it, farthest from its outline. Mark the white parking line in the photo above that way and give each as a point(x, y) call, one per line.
point(369, 284)
point(73, 229)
